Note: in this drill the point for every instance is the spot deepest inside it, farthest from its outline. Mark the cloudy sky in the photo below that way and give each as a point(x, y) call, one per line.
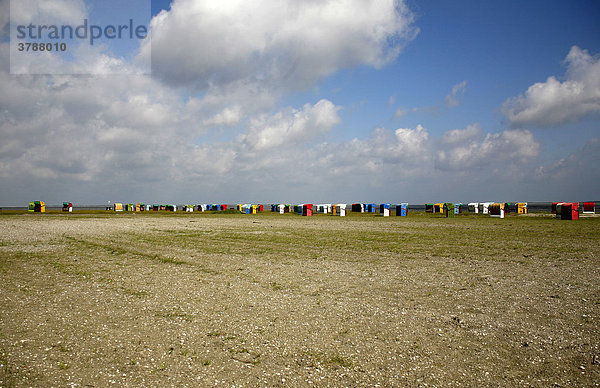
point(315, 101)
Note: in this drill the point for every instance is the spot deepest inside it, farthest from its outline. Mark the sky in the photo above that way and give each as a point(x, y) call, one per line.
point(309, 102)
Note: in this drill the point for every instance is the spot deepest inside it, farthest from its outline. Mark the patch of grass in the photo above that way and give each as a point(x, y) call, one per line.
point(116, 250)
point(70, 269)
point(341, 334)
point(229, 211)
point(138, 293)
point(335, 360)
point(176, 313)
point(340, 361)
point(63, 365)
point(169, 260)
point(63, 348)
point(275, 286)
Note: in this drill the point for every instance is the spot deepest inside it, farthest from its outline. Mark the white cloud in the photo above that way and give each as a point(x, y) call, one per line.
point(466, 149)
point(457, 137)
point(286, 44)
point(451, 99)
point(220, 105)
point(228, 116)
point(291, 126)
point(87, 129)
point(553, 102)
point(406, 151)
point(410, 143)
point(118, 134)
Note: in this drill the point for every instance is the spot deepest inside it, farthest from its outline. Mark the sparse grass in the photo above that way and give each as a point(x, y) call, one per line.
point(275, 286)
point(70, 269)
point(339, 361)
point(117, 250)
point(169, 260)
point(137, 293)
point(176, 313)
point(356, 301)
point(63, 365)
point(328, 359)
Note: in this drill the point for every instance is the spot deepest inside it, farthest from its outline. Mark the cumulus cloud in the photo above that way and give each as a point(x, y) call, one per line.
point(451, 99)
point(286, 44)
point(227, 117)
point(134, 131)
point(464, 149)
point(291, 126)
point(337, 170)
point(553, 102)
point(86, 128)
point(406, 151)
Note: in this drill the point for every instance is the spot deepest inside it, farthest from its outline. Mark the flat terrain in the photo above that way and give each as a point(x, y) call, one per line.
point(282, 300)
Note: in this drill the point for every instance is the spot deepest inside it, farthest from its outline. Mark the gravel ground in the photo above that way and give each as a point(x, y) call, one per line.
point(268, 300)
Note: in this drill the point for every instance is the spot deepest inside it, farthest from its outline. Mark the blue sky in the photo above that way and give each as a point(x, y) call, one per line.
point(346, 101)
point(499, 48)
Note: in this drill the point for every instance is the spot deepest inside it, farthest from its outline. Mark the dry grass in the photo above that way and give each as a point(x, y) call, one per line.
point(270, 300)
